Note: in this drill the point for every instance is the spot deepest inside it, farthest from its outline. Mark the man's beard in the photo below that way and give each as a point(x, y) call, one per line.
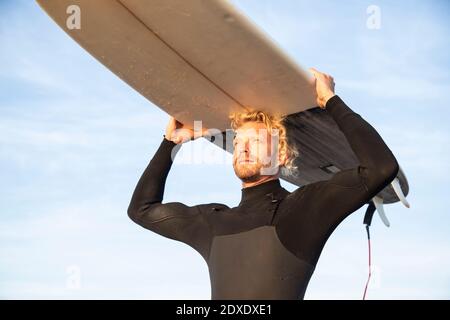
point(248, 173)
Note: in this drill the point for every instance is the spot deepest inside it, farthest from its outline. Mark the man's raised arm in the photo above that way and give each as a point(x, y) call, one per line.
point(173, 220)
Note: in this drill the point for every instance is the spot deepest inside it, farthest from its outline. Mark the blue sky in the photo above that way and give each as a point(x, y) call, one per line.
point(74, 140)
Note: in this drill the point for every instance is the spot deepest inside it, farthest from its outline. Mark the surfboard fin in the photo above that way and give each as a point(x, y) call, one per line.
point(378, 202)
point(398, 191)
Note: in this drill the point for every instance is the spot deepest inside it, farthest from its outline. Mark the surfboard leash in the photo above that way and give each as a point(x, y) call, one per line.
point(367, 221)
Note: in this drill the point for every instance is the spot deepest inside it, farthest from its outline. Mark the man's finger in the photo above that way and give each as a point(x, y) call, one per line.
point(314, 71)
point(175, 122)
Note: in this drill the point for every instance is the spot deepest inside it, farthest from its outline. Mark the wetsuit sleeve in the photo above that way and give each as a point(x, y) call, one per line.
point(329, 202)
point(173, 220)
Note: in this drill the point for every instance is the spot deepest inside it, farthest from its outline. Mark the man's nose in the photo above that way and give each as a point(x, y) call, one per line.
point(243, 148)
point(247, 146)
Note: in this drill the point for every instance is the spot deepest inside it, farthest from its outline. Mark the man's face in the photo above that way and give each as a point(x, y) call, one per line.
point(253, 155)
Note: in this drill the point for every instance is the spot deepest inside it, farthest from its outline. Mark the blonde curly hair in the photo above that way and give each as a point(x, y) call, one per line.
point(271, 122)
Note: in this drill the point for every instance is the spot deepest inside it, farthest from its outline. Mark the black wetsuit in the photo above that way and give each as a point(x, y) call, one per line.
point(268, 246)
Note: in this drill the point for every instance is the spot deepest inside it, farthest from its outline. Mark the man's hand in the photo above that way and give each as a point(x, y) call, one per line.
point(179, 133)
point(324, 87)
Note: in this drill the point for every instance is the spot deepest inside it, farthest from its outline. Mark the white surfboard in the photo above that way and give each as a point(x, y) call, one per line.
point(202, 60)
point(195, 59)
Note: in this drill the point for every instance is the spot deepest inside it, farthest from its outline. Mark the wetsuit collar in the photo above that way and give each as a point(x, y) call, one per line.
point(260, 190)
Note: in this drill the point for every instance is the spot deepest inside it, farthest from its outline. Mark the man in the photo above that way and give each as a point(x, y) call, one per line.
point(268, 246)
